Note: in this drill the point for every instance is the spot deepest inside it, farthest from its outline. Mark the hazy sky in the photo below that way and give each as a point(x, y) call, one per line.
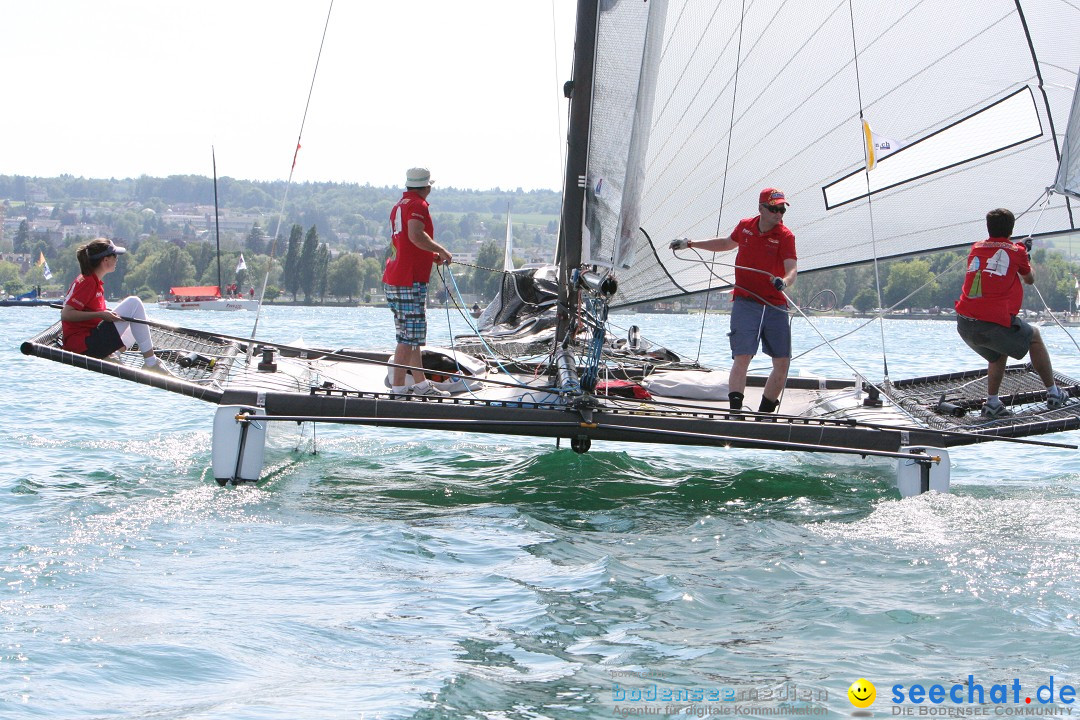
point(122, 88)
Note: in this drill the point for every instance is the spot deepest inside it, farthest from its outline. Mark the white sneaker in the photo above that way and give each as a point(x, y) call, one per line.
point(159, 369)
point(427, 389)
point(995, 411)
point(1054, 400)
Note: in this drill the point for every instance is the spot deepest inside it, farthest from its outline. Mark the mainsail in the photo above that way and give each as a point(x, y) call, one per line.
point(775, 93)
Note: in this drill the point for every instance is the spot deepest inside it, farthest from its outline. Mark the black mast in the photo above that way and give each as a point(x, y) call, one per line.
point(217, 226)
point(579, 90)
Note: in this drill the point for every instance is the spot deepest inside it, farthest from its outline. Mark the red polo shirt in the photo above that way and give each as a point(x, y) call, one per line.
point(87, 293)
point(408, 263)
point(992, 286)
point(764, 251)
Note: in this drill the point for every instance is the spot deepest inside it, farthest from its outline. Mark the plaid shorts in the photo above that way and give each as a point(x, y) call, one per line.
point(408, 306)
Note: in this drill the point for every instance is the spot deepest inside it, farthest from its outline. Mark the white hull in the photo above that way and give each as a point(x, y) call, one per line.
point(220, 304)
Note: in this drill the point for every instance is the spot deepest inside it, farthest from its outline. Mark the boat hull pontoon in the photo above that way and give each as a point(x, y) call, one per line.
point(283, 384)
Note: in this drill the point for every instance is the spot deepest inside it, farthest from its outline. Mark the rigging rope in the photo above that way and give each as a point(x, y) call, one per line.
point(288, 183)
point(869, 195)
point(877, 316)
point(455, 294)
point(1046, 202)
point(560, 136)
point(727, 166)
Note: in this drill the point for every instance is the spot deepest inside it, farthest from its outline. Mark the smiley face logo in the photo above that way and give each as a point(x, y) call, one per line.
point(862, 693)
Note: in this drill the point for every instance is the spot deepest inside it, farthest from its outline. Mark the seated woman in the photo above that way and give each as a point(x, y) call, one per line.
point(90, 328)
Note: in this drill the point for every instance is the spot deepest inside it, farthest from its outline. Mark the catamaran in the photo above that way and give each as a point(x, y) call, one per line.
point(680, 111)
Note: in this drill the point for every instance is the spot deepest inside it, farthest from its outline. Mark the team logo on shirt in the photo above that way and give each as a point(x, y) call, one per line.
point(998, 264)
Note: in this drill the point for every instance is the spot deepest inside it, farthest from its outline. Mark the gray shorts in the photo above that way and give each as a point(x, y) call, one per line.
point(754, 324)
point(992, 340)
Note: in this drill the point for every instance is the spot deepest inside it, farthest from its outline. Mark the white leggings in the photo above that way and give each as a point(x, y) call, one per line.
point(131, 333)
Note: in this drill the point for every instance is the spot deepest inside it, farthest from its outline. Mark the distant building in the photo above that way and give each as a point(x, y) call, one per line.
point(48, 230)
point(86, 230)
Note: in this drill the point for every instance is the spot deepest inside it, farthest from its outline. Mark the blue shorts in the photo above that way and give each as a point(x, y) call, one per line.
point(754, 324)
point(408, 305)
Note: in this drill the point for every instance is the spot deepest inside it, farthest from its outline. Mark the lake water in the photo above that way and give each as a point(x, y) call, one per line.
point(405, 574)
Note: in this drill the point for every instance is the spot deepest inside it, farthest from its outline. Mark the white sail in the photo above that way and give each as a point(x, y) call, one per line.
point(629, 35)
point(775, 97)
point(1068, 176)
point(508, 247)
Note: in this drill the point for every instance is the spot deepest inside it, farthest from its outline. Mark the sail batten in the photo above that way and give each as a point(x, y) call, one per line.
point(971, 108)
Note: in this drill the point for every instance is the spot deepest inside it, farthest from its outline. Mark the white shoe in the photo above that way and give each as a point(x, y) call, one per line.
point(427, 389)
point(159, 369)
point(995, 411)
point(1055, 400)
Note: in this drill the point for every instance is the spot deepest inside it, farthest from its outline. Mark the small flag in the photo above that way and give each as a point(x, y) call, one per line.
point(240, 264)
point(44, 265)
point(877, 148)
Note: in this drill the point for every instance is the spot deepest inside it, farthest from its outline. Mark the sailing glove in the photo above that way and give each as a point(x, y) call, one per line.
point(778, 283)
point(679, 244)
point(1027, 244)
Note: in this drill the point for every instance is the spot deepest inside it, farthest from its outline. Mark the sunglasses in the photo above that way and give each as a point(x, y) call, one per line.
point(776, 209)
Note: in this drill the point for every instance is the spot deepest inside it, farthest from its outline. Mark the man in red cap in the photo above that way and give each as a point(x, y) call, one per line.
point(765, 264)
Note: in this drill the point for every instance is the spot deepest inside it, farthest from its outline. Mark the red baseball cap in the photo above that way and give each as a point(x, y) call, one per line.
point(772, 196)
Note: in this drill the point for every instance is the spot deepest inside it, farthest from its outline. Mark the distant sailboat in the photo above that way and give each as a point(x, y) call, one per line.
point(508, 246)
point(209, 297)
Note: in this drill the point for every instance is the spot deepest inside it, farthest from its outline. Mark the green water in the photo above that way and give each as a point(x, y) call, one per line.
point(400, 574)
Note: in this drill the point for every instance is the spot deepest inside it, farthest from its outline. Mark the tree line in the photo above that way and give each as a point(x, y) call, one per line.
point(349, 269)
point(305, 269)
point(341, 212)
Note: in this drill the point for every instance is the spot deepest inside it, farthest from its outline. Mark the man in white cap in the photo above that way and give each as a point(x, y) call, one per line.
point(406, 277)
point(765, 264)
